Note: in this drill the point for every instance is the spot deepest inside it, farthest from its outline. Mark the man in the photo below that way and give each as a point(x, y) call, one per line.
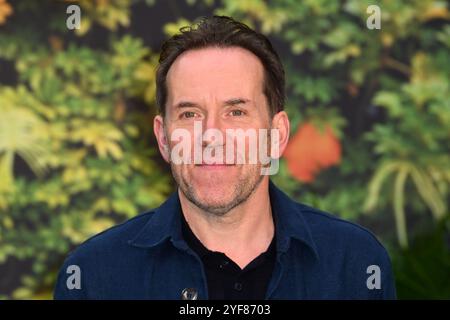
point(228, 232)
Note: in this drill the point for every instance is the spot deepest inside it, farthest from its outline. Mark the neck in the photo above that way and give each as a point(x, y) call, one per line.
point(242, 234)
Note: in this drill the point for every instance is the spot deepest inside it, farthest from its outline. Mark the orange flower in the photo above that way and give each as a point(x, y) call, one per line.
point(311, 150)
point(5, 10)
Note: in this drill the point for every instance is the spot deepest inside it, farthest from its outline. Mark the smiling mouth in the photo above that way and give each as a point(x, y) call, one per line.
point(214, 166)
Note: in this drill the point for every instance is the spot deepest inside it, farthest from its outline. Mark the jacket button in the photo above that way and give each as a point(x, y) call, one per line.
point(189, 294)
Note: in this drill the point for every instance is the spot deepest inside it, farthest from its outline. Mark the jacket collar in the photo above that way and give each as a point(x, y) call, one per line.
point(165, 224)
point(290, 222)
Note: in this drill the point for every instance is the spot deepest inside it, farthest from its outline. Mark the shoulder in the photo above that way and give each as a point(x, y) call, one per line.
point(342, 238)
point(112, 239)
point(99, 257)
point(323, 223)
point(350, 255)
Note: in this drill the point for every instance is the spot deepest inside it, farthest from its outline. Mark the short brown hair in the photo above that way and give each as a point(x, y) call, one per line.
point(223, 32)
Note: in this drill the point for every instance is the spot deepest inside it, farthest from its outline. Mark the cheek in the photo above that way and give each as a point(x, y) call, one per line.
point(181, 150)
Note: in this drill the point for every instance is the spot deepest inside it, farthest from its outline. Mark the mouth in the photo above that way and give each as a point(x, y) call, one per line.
point(214, 166)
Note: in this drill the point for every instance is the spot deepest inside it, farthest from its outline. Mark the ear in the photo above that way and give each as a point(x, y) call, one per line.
point(280, 121)
point(160, 134)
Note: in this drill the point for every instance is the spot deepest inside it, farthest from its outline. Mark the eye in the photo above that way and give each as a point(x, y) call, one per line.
point(237, 113)
point(188, 114)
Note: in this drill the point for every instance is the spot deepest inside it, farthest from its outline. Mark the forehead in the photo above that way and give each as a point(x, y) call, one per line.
point(215, 72)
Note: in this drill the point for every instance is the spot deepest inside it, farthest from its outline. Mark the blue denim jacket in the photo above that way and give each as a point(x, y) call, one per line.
point(319, 256)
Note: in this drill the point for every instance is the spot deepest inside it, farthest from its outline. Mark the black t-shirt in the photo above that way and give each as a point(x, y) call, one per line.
point(226, 280)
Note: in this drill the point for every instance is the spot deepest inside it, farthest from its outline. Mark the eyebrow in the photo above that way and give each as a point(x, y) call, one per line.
point(229, 102)
point(236, 101)
point(185, 104)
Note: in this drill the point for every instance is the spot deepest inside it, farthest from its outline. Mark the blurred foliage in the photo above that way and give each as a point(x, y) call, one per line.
point(423, 270)
point(421, 107)
point(76, 153)
point(5, 11)
point(108, 13)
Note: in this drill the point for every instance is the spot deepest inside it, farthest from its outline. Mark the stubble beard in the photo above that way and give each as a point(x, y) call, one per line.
point(243, 189)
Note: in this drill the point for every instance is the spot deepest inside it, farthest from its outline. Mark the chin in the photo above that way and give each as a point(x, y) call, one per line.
point(214, 194)
point(212, 184)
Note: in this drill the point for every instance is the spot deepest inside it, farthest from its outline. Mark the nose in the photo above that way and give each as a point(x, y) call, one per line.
point(215, 125)
point(212, 121)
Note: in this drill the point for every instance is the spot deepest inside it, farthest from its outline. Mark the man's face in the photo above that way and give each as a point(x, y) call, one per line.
point(221, 88)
